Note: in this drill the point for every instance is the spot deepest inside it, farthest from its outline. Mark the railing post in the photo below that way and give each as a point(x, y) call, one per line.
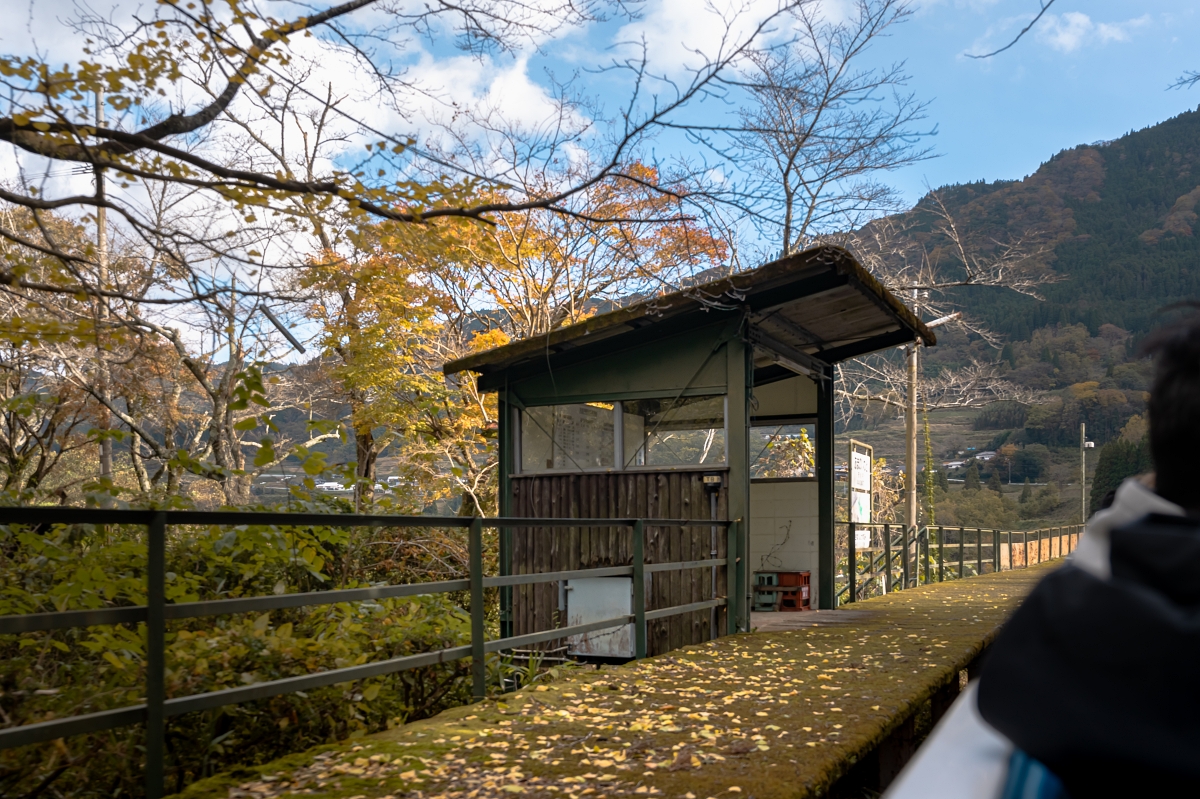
point(995, 550)
point(941, 555)
point(639, 589)
point(743, 572)
point(851, 563)
point(962, 539)
point(156, 666)
point(978, 551)
point(475, 564)
point(887, 559)
point(731, 589)
point(926, 559)
point(904, 566)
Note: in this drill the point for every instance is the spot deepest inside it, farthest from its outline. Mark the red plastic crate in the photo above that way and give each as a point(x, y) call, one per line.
point(799, 599)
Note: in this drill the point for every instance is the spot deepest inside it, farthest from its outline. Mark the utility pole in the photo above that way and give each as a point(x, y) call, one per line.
point(910, 432)
point(1084, 445)
point(102, 381)
point(912, 355)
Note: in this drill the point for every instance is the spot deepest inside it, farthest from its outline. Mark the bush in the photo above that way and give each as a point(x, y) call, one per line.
point(77, 671)
point(1040, 504)
point(1000, 416)
point(1118, 459)
point(975, 509)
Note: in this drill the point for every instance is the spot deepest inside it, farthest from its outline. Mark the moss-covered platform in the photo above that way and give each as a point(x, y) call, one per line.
point(765, 714)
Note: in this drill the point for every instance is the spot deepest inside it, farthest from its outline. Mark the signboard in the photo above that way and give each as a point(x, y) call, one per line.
point(860, 485)
point(860, 471)
point(862, 539)
point(860, 507)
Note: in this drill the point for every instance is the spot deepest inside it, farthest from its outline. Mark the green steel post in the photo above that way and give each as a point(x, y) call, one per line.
point(731, 589)
point(995, 550)
point(904, 557)
point(962, 545)
point(507, 415)
point(156, 666)
point(926, 561)
point(826, 554)
point(887, 559)
point(851, 563)
point(744, 588)
point(941, 554)
point(639, 589)
point(475, 558)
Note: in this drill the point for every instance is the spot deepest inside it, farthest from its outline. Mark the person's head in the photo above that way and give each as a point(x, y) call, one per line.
point(1174, 411)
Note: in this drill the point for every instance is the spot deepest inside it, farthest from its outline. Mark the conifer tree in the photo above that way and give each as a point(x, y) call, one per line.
point(994, 482)
point(971, 482)
point(1027, 491)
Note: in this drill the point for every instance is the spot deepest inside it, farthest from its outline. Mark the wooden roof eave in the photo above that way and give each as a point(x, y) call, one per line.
point(765, 281)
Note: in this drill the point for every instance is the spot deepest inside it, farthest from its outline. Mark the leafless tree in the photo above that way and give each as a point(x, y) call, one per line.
point(926, 257)
point(818, 126)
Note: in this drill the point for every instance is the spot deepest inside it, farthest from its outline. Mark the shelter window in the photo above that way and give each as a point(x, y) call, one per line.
point(783, 451)
point(684, 431)
point(567, 438)
point(653, 433)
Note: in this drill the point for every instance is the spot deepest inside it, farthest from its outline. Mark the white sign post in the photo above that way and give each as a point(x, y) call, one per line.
point(860, 484)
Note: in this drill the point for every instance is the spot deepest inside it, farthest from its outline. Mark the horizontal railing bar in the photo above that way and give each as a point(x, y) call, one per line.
point(108, 719)
point(505, 521)
point(73, 725)
point(64, 619)
point(220, 607)
point(549, 577)
point(231, 696)
point(42, 515)
point(687, 564)
point(664, 613)
point(58, 620)
point(500, 644)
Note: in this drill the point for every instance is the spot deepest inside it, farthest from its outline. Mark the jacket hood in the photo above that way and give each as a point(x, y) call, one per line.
point(1094, 675)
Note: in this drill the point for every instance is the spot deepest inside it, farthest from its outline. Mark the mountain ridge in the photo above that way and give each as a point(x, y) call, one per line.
point(1121, 217)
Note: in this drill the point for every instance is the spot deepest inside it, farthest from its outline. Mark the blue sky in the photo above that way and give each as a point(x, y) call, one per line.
point(1072, 80)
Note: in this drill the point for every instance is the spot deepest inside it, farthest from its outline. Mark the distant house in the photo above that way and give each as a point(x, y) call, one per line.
point(985, 456)
point(954, 464)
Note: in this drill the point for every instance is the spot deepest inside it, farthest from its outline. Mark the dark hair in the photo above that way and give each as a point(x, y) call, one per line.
point(1174, 409)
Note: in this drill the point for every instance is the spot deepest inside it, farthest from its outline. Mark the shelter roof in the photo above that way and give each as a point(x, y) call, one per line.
point(807, 311)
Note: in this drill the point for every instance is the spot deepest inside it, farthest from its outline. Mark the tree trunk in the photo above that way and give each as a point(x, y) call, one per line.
point(366, 454)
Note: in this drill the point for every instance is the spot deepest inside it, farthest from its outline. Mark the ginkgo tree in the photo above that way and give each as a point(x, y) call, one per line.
point(402, 301)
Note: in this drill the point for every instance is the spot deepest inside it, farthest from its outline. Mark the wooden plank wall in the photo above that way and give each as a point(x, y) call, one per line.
point(650, 495)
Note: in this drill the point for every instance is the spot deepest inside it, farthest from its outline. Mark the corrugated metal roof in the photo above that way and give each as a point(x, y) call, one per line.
point(819, 304)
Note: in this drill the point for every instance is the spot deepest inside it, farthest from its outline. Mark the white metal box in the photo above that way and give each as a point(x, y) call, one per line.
point(595, 599)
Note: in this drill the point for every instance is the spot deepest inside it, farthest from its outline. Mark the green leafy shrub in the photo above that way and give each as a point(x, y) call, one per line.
point(76, 671)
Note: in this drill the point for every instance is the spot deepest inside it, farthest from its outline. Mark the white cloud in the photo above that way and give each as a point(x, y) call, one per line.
point(1072, 30)
point(680, 34)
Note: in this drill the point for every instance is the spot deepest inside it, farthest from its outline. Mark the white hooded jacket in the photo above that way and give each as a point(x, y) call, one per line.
point(964, 756)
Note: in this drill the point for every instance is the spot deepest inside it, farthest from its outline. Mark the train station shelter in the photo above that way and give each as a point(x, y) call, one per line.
point(712, 402)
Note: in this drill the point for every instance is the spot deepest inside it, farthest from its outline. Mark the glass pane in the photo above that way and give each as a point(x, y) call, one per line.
point(686, 432)
point(785, 450)
point(567, 438)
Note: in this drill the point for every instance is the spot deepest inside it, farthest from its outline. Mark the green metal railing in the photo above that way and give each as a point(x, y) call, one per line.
point(157, 611)
point(906, 557)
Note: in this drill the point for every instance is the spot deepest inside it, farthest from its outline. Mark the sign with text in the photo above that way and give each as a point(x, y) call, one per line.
point(860, 483)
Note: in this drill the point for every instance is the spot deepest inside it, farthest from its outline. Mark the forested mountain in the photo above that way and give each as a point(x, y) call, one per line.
point(1122, 218)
